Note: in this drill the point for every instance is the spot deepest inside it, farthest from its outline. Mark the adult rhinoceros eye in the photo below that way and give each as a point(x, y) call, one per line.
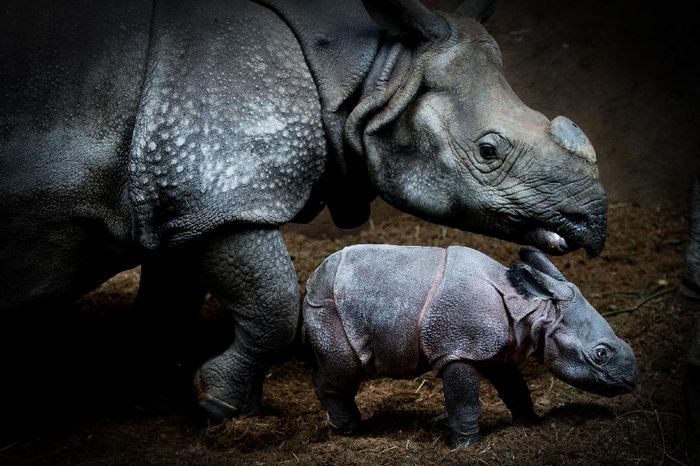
point(492, 147)
point(601, 355)
point(488, 152)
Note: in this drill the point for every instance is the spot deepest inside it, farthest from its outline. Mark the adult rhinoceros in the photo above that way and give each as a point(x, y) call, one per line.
point(181, 135)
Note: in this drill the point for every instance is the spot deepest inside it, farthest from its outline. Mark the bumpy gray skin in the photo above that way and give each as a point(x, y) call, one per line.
point(180, 135)
point(379, 310)
point(690, 295)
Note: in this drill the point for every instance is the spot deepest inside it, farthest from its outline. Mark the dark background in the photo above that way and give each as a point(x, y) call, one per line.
point(626, 71)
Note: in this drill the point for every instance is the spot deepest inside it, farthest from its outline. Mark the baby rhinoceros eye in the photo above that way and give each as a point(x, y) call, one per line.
point(601, 355)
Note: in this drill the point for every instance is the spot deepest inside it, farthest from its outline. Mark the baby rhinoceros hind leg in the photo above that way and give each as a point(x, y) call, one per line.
point(337, 373)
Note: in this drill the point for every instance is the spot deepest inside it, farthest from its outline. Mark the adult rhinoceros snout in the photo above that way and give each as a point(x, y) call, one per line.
point(594, 240)
point(569, 232)
point(569, 136)
point(585, 232)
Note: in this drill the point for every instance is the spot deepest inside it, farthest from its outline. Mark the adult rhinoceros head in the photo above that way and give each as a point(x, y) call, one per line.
point(446, 138)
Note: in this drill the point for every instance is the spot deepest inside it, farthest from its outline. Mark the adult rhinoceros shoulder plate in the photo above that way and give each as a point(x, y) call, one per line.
point(229, 128)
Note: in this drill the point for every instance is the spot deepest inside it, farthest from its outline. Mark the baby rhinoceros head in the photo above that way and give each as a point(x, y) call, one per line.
point(580, 347)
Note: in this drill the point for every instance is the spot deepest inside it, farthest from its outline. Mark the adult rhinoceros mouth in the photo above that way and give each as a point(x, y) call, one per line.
point(548, 241)
point(568, 233)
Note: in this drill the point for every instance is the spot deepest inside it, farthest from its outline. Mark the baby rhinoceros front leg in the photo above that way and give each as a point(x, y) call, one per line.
point(461, 387)
point(513, 390)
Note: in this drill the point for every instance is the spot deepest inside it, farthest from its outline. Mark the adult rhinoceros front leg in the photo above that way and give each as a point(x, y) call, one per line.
point(251, 273)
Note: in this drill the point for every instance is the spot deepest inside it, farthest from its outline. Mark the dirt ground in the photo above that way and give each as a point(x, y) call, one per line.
point(78, 384)
point(94, 409)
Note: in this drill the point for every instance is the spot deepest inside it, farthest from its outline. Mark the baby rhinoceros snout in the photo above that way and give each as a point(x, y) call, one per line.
point(616, 375)
point(624, 370)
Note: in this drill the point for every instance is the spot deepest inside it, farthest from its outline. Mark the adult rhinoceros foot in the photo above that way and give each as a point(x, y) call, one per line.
point(223, 397)
point(210, 396)
point(217, 409)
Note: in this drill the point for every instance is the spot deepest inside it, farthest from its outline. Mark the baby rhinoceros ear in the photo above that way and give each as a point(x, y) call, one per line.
point(539, 261)
point(533, 284)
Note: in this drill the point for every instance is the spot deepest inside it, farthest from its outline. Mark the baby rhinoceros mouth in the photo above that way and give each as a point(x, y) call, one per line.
point(618, 387)
point(620, 378)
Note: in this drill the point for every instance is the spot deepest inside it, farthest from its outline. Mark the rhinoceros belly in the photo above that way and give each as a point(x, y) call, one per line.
point(229, 130)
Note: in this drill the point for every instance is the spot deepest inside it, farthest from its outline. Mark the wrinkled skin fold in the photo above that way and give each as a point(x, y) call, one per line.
point(181, 135)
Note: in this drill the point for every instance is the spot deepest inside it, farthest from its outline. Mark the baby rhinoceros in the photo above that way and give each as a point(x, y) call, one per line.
point(379, 310)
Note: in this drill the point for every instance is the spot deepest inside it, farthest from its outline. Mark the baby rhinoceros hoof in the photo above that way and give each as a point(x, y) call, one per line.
point(458, 442)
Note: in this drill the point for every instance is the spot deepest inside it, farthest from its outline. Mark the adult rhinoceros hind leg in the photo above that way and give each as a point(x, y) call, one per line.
point(169, 299)
point(250, 272)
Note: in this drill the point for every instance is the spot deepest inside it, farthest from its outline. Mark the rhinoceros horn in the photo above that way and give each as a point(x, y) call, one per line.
point(570, 137)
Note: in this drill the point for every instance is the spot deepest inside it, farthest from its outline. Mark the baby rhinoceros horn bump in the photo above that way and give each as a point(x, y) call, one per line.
point(572, 138)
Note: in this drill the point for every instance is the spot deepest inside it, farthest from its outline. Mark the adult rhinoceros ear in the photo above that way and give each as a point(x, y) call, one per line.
point(480, 10)
point(539, 261)
point(407, 18)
